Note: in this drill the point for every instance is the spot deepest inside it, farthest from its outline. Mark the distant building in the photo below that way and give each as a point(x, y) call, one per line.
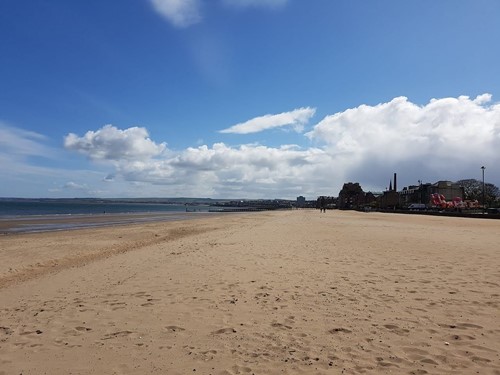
point(415, 194)
point(352, 196)
point(390, 198)
point(449, 189)
point(301, 201)
point(330, 202)
point(422, 193)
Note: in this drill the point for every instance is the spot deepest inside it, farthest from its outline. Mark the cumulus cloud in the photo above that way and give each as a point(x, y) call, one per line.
point(445, 139)
point(244, 171)
point(181, 13)
point(111, 143)
point(296, 119)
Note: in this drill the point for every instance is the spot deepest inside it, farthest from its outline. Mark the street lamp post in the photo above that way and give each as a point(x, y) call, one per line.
point(483, 168)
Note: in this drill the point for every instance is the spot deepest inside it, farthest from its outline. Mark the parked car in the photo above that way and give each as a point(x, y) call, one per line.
point(417, 206)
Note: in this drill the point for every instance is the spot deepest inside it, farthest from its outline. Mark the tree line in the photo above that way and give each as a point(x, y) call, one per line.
point(473, 190)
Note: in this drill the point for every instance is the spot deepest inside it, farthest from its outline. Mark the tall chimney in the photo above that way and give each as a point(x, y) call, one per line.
point(395, 182)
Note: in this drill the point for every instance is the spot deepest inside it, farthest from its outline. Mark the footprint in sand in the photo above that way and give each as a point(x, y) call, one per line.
point(460, 337)
point(224, 330)
point(381, 362)
point(83, 329)
point(6, 330)
point(468, 325)
point(209, 352)
point(418, 372)
point(241, 370)
point(339, 330)
point(480, 359)
point(117, 334)
point(396, 329)
point(480, 347)
point(117, 305)
point(429, 361)
point(281, 326)
point(38, 332)
point(461, 326)
point(174, 329)
point(415, 354)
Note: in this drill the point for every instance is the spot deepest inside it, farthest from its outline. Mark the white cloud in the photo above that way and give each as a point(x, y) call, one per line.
point(30, 168)
point(447, 138)
point(296, 119)
point(73, 189)
point(225, 171)
point(21, 143)
point(75, 186)
point(181, 13)
point(184, 13)
point(111, 143)
point(218, 171)
point(255, 3)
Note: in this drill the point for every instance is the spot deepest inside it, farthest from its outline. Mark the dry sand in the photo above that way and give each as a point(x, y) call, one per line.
point(294, 292)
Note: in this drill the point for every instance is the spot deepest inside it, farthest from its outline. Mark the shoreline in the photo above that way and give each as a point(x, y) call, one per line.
point(294, 292)
point(61, 222)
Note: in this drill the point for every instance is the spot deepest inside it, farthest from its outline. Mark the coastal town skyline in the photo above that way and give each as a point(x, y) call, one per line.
point(245, 99)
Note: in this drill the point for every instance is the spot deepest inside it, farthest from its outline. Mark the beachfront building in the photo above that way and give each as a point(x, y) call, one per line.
point(415, 194)
point(352, 197)
point(422, 193)
point(329, 202)
point(448, 189)
point(390, 198)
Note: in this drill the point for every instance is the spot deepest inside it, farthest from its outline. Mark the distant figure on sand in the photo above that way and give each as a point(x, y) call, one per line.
point(322, 204)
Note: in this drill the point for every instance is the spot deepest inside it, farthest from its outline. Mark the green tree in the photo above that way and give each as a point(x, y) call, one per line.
point(473, 190)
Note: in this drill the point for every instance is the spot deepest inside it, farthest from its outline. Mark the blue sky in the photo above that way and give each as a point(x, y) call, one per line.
point(245, 98)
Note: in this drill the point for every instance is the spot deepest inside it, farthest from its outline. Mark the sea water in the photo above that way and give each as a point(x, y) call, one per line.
point(67, 207)
point(18, 216)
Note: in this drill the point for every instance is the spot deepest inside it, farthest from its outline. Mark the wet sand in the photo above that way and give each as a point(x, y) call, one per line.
point(294, 292)
point(47, 223)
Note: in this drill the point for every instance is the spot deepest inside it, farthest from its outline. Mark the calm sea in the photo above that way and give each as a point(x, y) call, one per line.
point(25, 208)
point(41, 216)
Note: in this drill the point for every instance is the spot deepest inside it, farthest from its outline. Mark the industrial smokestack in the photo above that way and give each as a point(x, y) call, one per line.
point(395, 182)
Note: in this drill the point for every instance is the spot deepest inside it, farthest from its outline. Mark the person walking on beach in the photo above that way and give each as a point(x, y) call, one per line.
point(322, 204)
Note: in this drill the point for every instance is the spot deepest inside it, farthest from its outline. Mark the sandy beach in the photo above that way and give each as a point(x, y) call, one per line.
point(291, 292)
